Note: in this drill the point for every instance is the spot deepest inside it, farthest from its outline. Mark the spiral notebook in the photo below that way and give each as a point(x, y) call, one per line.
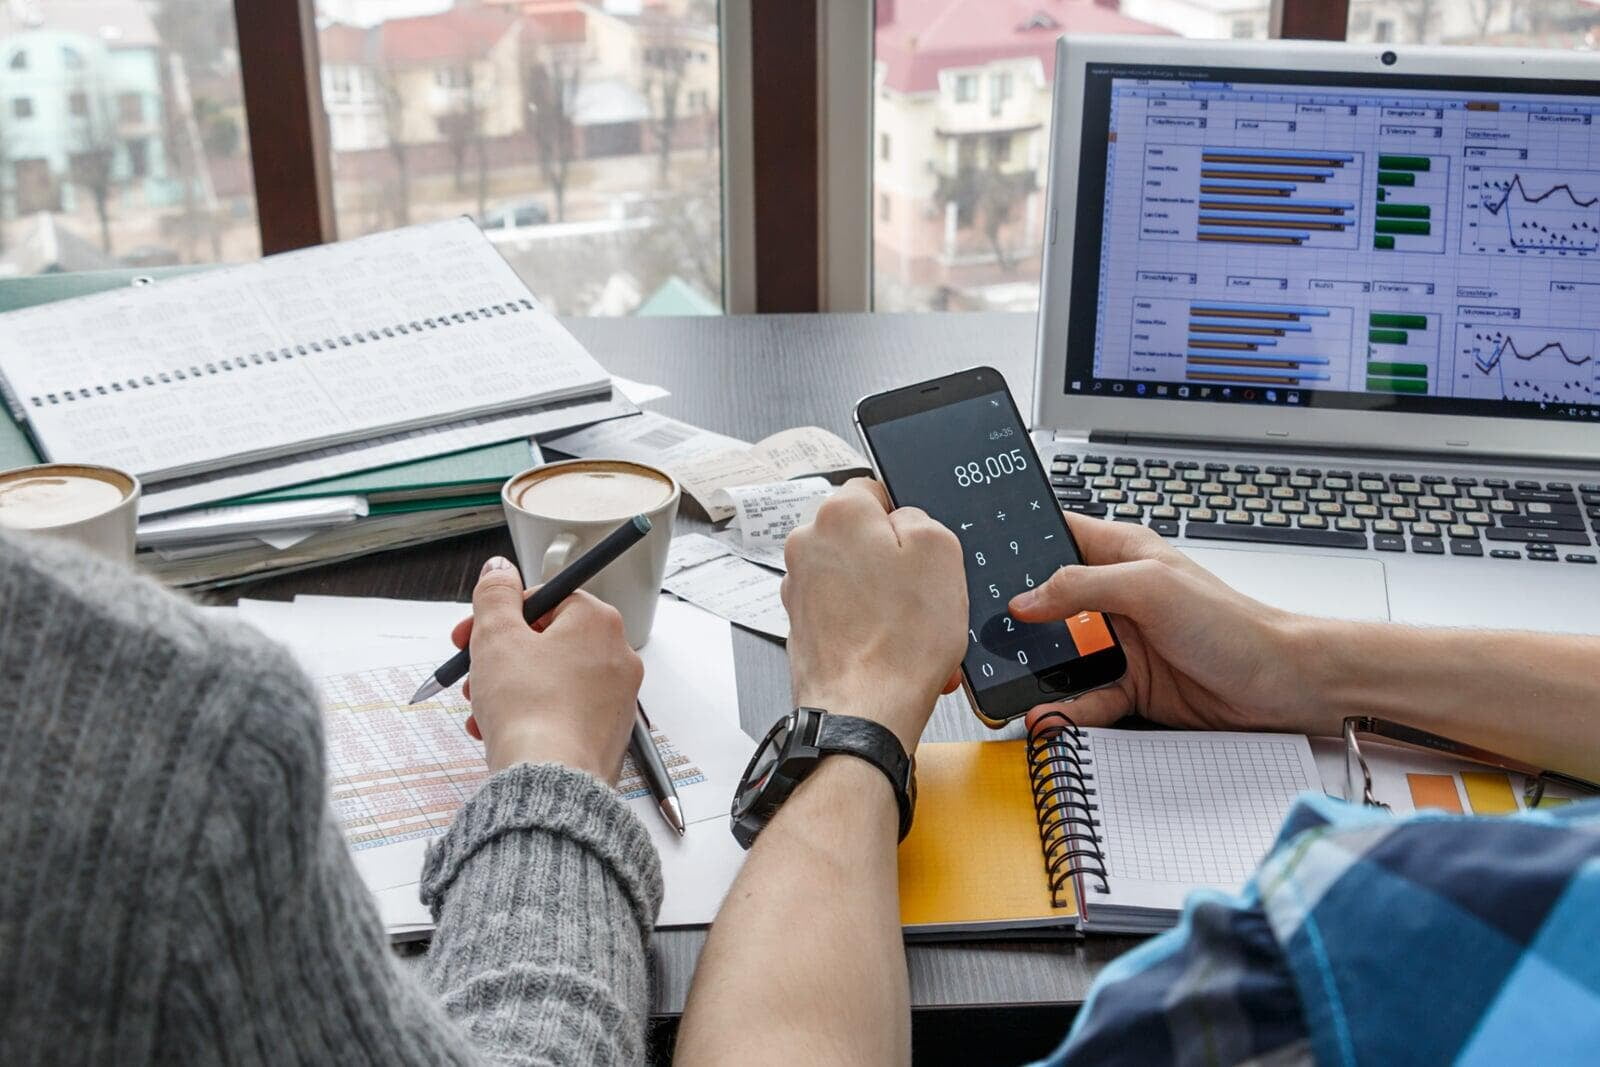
point(341, 343)
point(1105, 831)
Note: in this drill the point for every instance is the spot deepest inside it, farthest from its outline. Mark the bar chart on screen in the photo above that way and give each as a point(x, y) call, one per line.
point(1232, 343)
point(1413, 200)
point(1262, 197)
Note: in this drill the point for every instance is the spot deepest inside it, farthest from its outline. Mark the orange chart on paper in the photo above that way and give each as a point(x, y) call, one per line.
point(1488, 792)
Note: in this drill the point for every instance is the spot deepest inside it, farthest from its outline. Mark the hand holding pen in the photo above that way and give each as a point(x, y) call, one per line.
point(565, 692)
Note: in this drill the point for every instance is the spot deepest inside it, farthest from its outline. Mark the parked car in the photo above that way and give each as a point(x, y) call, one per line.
point(514, 215)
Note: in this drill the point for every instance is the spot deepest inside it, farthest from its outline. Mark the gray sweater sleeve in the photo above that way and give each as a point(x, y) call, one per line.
point(545, 891)
point(183, 893)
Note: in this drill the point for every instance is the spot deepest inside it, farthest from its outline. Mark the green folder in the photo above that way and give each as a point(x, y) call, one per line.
point(456, 480)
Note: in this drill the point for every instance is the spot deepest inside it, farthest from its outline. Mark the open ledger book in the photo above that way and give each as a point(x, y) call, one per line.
point(1104, 831)
point(340, 343)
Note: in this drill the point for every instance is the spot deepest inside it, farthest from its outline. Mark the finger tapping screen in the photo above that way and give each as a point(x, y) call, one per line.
point(970, 466)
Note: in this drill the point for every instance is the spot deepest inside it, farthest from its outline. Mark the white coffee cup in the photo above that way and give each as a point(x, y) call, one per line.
point(559, 511)
point(97, 507)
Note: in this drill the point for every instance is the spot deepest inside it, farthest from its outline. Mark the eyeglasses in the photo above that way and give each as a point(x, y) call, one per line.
point(1356, 772)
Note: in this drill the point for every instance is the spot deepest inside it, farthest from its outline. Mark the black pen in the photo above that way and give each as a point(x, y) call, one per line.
point(546, 597)
point(647, 757)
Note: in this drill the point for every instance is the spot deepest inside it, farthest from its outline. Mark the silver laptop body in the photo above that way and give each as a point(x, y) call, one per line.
point(1328, 317)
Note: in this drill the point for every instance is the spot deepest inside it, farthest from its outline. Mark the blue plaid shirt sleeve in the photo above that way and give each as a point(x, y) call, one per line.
point(1366, 939)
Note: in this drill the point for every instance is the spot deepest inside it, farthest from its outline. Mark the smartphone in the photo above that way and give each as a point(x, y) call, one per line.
point(957, 448)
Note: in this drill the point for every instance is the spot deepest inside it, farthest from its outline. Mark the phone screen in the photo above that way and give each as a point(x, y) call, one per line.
point(970, 465)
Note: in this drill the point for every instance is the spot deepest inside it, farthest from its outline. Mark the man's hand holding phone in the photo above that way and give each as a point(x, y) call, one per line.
point(877, 607)
point(1200, 654)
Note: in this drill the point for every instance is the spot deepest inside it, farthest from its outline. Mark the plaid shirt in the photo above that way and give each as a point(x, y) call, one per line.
point(1365, 938)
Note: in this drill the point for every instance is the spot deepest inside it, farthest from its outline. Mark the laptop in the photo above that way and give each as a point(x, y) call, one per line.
point(1328, 317)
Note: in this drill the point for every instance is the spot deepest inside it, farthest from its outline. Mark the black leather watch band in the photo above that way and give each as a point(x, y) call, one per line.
point(877, 745)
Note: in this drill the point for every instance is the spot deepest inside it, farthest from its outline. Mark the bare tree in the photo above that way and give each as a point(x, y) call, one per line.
point(987, 195)
point(93, 162)
point(1419, 15)
point(551, 78)
point(460, 125)
point(665, 62)
point(1483, 13)
point(391, 106)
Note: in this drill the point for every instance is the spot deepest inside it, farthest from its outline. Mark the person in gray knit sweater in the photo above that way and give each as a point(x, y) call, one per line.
point(174, 886)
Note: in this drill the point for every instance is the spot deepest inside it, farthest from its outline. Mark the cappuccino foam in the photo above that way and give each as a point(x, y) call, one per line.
point(44, 500)
point(592, 494)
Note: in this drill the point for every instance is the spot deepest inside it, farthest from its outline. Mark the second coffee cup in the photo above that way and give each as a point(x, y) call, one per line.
point(558, 511)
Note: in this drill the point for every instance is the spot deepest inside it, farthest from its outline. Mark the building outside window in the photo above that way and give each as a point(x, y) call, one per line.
point(127, 145)
point(967, 226)
point(584, 137)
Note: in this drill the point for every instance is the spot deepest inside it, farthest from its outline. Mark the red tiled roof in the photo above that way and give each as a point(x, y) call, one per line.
point(924, 37)
point(457, 33)
point(339, 43)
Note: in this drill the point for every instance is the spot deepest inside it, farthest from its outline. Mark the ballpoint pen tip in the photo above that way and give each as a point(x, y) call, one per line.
point(428, 690)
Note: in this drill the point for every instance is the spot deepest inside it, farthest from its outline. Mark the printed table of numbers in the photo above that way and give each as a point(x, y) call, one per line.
point(397, 772)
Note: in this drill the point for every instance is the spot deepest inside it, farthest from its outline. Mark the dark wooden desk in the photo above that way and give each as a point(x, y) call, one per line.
point(749, 376)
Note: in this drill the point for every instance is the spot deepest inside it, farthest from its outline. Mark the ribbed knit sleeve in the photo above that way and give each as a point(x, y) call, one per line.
point(174, 887)
point(545, 890)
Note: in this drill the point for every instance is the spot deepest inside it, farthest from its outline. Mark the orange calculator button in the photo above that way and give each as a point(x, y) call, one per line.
point(1089, 632)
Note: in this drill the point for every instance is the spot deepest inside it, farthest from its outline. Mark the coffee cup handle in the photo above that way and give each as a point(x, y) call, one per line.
point(556, 556)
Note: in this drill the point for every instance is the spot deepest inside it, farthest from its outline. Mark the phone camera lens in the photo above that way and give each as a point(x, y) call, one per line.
point(1389, 59)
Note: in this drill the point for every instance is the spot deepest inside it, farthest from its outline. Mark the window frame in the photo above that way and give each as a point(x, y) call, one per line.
point(817, 235)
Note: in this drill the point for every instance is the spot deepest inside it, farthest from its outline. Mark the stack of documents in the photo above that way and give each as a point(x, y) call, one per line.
point(398, 773)
point(307, 407)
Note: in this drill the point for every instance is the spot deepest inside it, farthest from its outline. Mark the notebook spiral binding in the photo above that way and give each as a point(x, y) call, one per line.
point(285, 354)
point(1062, 776)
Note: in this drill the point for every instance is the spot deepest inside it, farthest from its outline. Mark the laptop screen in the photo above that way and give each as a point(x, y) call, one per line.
point(1338, 241)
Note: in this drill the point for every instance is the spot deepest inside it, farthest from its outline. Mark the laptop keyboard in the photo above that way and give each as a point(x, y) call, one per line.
point(1383, 511)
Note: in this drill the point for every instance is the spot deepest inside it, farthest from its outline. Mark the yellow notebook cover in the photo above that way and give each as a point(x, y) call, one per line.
point(973, 860)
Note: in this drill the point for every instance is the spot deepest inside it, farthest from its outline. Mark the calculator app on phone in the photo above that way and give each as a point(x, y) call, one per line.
point(970, 465)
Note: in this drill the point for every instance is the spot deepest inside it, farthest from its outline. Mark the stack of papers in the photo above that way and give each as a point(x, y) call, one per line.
point(307, 407)
point(398, 773)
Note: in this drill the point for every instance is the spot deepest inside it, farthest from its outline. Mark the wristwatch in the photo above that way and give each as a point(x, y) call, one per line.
point(793, 748)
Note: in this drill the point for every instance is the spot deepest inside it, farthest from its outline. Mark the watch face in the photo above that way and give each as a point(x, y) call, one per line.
point(762, 763)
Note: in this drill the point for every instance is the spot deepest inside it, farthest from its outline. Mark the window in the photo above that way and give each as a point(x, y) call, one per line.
point(883, 207)
point(967, 184)
point(138, 157)
point(1506, 23)
point(583, 137)
point(126, 120)
point(999, 91)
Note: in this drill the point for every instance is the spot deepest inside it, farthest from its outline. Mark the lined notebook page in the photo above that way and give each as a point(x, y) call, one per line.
point(398, 330)
point(972, 860)
point(1181, 809)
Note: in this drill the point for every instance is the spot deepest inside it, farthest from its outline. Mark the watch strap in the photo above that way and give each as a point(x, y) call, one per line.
point(877, 745)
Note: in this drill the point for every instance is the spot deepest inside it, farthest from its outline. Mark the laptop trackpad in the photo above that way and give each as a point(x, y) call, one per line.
point(1333, 587)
